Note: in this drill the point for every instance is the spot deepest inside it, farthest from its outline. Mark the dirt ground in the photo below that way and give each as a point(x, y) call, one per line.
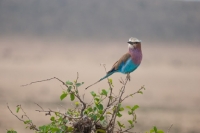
point(170, 73)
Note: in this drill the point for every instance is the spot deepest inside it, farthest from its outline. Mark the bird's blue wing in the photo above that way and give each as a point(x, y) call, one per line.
point(117, 66)
point(128, 66)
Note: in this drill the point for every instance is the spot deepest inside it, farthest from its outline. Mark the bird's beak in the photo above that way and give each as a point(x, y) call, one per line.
point(129, 42)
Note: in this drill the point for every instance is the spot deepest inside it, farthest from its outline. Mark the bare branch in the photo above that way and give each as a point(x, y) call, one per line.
point(14, 114)
point(77, 77)
point(138, 91)
point(32, 126)
point(39, 106)
point(45, 80)
point(169, 128)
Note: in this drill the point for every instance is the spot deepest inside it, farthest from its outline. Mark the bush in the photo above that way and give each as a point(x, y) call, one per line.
point(99, 116)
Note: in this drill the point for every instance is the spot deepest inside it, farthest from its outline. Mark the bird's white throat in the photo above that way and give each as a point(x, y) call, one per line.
point(130, 46)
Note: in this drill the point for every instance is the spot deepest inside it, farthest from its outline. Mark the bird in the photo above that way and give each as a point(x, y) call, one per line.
point(128, 62)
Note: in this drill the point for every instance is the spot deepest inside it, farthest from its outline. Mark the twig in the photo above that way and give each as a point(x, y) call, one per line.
point(138, 91)
point(110, 95)
point(46, 80)
point(39, 106)
point(14, 114)
point(112, 121)
point(51, 111)
point(127, 130)
point(83, 104)
point(169, 128)
point(77, 96)
point(77, 77)
point(32, 126)
point(24, 113)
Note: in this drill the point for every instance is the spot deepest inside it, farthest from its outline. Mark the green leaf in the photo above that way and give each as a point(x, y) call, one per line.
point(94, 117)
point(69, 83)
point(78, 84)
point(11, 131)
point(152, 131)
point(27, 121)
point(110, 81)
point(52, 118)
point(130, 112)
point(140, 92)
point(96, 100)
point(100, 111)
point(17, 110)
point(90, 109)
point(70, 129)
point(56, 113)
point(101, 118)
point(108, 112)
point(160, 131)
point(128, 107)
point(155, 129)
point(77, 103)
point(121, 109)
point(120, 125)
point(119, 115)
point(54, 129)
point(100, 107)
point(63, 96)
point(94, 109)
point(134, 107)
point(104, 92)
point(93, 93)
point(69, 89)
point(64, 127)
point(130, 122)
point(72, 97)
point(110, 97)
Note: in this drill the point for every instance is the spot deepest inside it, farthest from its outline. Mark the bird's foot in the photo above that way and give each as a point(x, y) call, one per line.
point(128, 77)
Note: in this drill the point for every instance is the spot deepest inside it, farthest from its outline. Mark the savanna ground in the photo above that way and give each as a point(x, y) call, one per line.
point(169, 71)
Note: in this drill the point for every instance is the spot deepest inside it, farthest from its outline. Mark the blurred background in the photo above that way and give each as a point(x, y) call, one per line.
point(44, 39)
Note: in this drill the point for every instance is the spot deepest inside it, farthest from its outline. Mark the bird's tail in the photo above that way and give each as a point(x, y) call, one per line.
point(107, 75)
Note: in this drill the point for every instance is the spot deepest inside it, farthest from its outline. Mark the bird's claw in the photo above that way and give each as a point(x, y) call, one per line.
point(128, 77)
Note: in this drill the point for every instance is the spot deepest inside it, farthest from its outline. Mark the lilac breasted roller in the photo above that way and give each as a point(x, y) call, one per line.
point(128, 62)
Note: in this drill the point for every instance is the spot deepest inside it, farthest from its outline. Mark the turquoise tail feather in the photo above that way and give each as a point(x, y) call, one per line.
point(107, 75)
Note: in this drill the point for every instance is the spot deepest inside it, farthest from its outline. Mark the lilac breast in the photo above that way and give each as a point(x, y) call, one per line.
point(136, 55)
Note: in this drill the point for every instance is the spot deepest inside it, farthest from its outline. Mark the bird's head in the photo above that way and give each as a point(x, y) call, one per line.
point(134, 42)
